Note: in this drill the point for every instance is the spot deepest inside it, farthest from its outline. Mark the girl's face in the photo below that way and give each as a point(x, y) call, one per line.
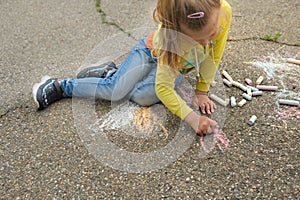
point(206, 34)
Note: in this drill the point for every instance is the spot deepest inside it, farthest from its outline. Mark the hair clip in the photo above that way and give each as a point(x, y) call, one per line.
point(196, 15)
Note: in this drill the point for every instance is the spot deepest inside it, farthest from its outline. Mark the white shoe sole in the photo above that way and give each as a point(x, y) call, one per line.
point(36, 87)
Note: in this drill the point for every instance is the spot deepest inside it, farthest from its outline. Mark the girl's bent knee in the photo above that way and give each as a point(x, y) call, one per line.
point(145, 101)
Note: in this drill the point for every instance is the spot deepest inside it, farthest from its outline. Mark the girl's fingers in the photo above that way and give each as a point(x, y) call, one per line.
point(208, 108)
point(212, 107)
point(203, 108)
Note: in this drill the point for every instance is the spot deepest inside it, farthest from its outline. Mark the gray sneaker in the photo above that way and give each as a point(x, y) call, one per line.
point(46, 92)
point(101, 71)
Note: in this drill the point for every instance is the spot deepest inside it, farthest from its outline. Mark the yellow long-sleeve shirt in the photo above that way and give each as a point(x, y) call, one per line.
point(165, 76)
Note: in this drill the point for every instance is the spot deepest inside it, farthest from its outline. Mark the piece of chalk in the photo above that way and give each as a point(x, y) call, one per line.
point(248, 81)
point(294, 61)
point(242, 102)
point(249, 92)
point(288, 102)
point(227, 100)
point(252, 88)
point(239, 85)
point(259, 80)
point(226, 82)
point(218, 100)
point(252, 120)
point(232, 101)
point(226, 75)
point(267, 87)
point(247, 97)
point(244, 88)
point(213, 84)
point(256, 93)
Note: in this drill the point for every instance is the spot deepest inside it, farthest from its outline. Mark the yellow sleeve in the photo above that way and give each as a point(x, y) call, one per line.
point(164, 86)
point(208, 69)
point(220, 40)
point(207, 73)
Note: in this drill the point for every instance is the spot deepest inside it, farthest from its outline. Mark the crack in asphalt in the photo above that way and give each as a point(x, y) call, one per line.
point(260, 38)
point(111, 23)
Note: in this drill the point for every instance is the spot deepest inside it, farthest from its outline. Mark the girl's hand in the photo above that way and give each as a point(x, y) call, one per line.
point(202, 101)
point(201, 124)
point(206, 126)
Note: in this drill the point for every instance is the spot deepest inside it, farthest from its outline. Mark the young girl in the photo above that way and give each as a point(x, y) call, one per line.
point(191, 36)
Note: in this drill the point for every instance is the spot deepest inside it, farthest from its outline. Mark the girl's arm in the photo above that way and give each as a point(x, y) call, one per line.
point(208, 69)
point(165, 78)
point(210, 66)
point(164, 86)
point(221, 39)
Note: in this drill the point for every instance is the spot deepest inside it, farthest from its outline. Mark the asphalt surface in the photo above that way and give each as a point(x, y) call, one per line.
point(43, 155)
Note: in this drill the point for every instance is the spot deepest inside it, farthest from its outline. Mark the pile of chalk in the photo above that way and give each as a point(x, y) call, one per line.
point(249, 91)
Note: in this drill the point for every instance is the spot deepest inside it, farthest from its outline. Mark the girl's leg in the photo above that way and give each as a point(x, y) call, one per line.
point(144, 92)
point(134, 69)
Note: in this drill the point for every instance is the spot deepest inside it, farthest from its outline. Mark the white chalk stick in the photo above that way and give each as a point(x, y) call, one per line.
point(249, 92)
point(226, 82)
point(293, 61)
point(218, 100)
point(288, 102)
point(232, 101)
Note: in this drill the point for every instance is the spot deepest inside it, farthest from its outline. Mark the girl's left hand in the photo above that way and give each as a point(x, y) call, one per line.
point(204, 103)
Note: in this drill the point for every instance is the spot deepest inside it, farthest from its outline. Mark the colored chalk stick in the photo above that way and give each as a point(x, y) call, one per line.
point(248, 81)
point(252, 120)
point(288, 102)
point(242, 102)
point(259, 80)
point(247, 97)
point(256, 93)
point(252, 88)
point(267, 87)
point(239, 85)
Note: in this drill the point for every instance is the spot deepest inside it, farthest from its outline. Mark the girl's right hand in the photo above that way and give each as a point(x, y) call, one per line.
point(201, 124)
point(206, 126)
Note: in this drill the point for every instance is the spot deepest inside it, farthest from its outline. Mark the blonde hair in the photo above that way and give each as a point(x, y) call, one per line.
point(169, 14)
